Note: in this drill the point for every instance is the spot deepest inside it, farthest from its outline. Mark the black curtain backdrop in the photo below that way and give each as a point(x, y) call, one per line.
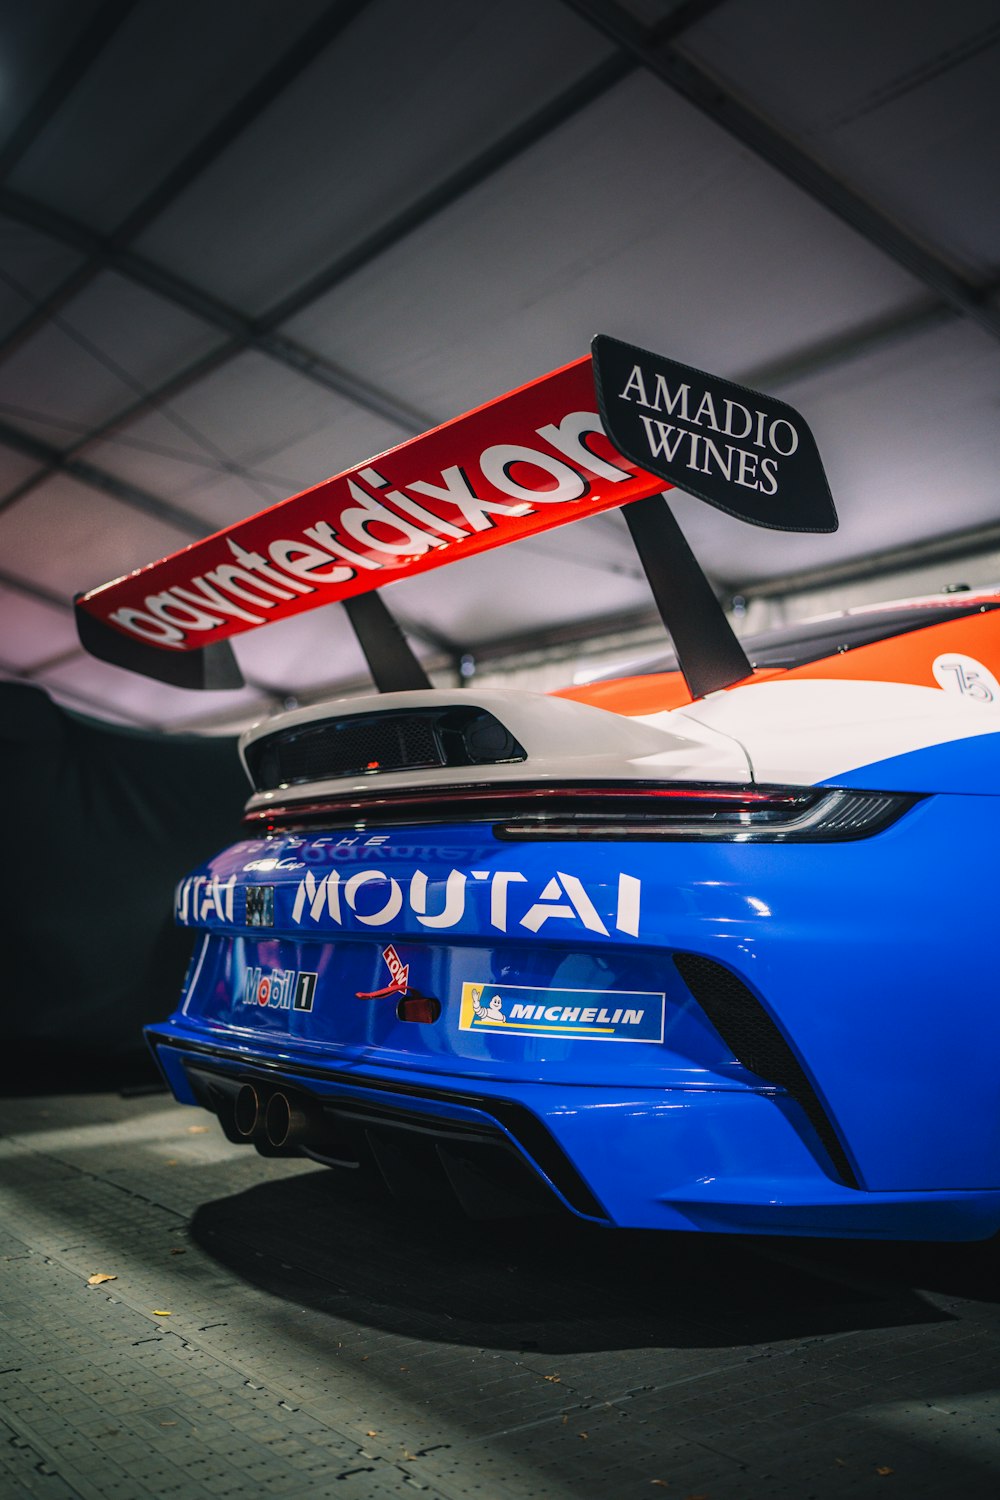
point(99, 824)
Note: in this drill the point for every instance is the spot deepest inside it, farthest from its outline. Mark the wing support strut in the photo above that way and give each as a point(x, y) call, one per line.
point(390, 659)
point(708, 652)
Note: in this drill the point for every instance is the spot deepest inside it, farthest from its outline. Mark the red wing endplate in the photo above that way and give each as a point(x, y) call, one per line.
point(599, 433)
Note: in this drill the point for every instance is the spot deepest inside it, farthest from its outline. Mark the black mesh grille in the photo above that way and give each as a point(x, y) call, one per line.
point(756, 1042)
point(340, 749)
point(370, 743)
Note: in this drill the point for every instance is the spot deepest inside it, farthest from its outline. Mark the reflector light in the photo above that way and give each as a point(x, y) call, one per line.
point(423, 1009)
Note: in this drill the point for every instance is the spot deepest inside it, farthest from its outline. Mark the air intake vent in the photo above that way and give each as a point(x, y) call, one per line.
point(371, 743)
point(756, 1042)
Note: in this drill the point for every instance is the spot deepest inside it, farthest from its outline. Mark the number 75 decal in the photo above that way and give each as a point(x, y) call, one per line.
point(967, 677)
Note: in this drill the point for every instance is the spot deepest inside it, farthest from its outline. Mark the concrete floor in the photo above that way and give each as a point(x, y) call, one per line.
point(275, 1330)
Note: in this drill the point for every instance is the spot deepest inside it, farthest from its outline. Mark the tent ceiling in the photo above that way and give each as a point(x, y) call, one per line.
point(243, 246)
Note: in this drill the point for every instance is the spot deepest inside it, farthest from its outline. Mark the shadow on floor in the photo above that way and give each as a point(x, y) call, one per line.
point(558, 1284)
point(37, 1069)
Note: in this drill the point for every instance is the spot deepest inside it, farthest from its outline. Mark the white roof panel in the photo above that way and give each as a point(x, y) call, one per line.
point(704, 254)
point(33, 37)
point(31, 266)
point(302, 654)
point(900, 100)
point(166, 77)
point(408, 94)
point(245, 436)
point(15, 468)
point(68, 538)
point(580, 571)
point(31, 631)
point(105, 349)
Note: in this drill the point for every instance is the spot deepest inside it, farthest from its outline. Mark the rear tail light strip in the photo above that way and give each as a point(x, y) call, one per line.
point(613, 811)
point(825, 815)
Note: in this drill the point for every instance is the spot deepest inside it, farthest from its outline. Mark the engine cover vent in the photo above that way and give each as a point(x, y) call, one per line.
point(367, 744)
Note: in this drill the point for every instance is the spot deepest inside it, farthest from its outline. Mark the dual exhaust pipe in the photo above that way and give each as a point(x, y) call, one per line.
point(277, 1122)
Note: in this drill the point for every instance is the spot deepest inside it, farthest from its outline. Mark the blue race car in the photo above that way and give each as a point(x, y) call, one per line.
point(702, 948)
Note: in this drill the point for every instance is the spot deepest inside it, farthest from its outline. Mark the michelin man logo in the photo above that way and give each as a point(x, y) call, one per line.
point(491, 1012)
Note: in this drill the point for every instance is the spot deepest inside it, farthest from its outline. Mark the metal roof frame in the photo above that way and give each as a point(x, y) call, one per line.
point(657, 53)
point(293, 62)
point(67, 73)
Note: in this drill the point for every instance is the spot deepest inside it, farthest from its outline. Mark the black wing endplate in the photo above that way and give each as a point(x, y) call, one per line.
point(749, 455)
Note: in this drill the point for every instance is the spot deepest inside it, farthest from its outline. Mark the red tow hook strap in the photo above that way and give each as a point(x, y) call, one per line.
point(400, 977)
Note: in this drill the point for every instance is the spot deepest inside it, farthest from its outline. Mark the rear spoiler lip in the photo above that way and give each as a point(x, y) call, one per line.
point(562, 740)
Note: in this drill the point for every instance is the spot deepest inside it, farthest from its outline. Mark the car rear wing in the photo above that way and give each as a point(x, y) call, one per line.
point(615, 428)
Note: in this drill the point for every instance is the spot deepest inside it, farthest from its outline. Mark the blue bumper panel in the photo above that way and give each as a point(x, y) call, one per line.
point(536, 1013)
point(728, 1160)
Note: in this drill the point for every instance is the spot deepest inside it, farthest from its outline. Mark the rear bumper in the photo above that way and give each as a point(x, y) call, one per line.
point(730, 1160)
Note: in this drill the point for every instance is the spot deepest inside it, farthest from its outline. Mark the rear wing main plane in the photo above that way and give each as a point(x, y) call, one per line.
point(615, 428)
